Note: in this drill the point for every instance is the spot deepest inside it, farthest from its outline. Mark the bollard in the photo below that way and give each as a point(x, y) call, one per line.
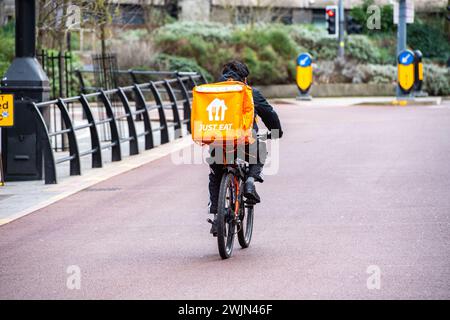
point(418, 74)
point(405, 72)
point(304, 75)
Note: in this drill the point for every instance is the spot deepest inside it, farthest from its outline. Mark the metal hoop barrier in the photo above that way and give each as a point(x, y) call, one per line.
point(108, 119)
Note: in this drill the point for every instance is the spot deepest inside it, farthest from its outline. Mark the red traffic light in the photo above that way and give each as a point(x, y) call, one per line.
point(331, 13)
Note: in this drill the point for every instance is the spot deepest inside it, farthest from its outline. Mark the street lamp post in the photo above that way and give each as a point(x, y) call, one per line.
point(341, 17)
point(25, 78)
point(401, 35)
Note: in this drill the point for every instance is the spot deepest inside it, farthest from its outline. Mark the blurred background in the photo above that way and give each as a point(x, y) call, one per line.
point(201, 35)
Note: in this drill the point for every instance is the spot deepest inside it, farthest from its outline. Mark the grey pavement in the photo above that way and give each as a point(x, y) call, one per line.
point(20, 198)
point(359, 188)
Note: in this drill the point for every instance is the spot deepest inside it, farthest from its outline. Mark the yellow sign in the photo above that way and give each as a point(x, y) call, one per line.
point(406, 77)
point(304, 77)
point(304, 72)
point(6, 110)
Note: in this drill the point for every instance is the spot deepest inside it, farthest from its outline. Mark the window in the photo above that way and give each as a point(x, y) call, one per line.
point(283, 16)
point(129, 14)
point(242, 15)
point(318, 16)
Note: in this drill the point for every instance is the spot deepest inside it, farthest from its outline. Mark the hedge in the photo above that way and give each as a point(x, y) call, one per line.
point(7, 47)
point(270, 50)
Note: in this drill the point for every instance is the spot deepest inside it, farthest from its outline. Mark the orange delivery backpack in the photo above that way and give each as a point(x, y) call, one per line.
point(222, 112)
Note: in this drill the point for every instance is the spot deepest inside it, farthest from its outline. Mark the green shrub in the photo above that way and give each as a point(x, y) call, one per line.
point(361, 48)
point(436, 80)
point(276, 36)
point(307, 35)
point(167, 62)
point(265, 48)
point(207, 30)
point(7, 46)
point(348, 71)
point(131, 35)
point(382, 73)
point(324, 71)
point(430, 40)
point(427, 34)
point(270, 50)
point(282, 43)
point(360, 16)
point(250, 57)
point(314, 41)
point(325, 50)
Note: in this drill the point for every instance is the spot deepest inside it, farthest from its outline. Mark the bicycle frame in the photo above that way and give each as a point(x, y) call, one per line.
point(234, 213)
point(238, 170)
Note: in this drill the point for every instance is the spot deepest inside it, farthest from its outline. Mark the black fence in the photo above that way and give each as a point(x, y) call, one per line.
point(59, 68)
point(150, 111)
point(105, 70)
point(88, 82)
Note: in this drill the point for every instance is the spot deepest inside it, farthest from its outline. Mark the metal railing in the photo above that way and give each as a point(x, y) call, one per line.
point(143, 110)
point(59, 68)
point(136, 76)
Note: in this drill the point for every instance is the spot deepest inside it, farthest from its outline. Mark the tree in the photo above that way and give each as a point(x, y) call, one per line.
point(55, 17)
point(51, 23)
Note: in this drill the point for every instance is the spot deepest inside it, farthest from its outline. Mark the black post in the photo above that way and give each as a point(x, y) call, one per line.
point(25, 36)
point(25, 78)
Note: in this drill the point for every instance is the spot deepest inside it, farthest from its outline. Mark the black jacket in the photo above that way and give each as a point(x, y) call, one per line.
point(262, 108)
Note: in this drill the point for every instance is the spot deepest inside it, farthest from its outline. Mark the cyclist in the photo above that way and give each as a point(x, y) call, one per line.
point(238, 71)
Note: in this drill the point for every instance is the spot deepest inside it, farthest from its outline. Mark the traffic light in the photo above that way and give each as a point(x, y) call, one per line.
point(353, 27)
point(331, 16)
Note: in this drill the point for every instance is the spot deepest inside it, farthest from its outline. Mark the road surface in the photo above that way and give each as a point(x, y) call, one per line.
point(359, 208)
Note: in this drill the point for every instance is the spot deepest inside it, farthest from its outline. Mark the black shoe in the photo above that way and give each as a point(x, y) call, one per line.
point(213, 230)
point(250, 193)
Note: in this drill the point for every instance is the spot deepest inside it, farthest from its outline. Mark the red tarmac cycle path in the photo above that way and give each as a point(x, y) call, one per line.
point(357, 187)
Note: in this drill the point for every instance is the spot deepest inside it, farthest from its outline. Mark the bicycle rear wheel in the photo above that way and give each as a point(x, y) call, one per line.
point(225, 216)
point(246, 229)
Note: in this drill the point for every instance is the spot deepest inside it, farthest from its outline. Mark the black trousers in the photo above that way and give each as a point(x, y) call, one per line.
point(255, 154)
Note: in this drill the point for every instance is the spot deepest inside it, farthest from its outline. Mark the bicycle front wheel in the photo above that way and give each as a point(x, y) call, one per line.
point(225, 216)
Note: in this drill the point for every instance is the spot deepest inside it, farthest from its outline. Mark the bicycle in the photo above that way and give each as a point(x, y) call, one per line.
point(233, 212)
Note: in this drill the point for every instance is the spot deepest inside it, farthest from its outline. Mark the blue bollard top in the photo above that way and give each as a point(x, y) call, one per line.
point(406, 57)
point(304, 60)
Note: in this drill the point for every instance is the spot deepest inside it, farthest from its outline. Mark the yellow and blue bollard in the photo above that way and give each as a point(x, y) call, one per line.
point(304, 75)
point(406, 72)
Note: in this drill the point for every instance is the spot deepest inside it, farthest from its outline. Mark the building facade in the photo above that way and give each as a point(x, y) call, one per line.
point(6, 11)
point(288, 11)
point(133, 12)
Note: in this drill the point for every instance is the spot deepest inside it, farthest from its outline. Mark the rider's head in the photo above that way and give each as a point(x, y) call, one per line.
point(235, 70)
